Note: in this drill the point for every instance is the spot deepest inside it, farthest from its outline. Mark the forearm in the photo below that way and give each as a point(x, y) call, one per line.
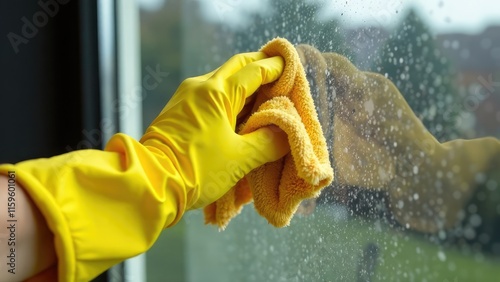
point(26, 243)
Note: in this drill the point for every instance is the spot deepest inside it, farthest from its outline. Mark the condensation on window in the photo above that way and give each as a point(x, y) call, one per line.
point(411, 113)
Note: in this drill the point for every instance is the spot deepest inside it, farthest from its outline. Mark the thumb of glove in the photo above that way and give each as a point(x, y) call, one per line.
point(249, 151)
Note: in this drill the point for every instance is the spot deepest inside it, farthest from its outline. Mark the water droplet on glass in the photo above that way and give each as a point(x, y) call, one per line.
point(441, 256)
point(401, 204)
point(475, 220)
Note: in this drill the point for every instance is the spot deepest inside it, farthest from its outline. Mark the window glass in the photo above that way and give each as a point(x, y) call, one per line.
point(410, 200)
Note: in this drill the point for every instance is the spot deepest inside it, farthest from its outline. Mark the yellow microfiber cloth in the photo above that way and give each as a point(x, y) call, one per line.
point(277, 188)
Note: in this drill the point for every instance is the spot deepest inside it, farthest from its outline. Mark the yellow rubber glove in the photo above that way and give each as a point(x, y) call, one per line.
point(106, 206)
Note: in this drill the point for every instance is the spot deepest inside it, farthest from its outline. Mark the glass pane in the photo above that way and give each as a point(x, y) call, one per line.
point(410, 202)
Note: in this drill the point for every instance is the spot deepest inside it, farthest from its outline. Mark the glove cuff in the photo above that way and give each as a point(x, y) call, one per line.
point(102, 206)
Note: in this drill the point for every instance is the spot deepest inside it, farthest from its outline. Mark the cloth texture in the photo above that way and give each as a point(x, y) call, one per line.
point(277, 188)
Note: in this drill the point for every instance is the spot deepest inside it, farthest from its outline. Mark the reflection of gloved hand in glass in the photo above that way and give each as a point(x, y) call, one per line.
point(106, 206)
point(379, 143)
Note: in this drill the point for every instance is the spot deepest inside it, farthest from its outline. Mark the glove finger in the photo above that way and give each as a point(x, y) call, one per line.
point(245, 82)
point(237, 62)
point(266, 144)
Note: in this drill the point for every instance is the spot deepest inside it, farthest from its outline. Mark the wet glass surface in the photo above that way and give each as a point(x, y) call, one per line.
point(398, 87)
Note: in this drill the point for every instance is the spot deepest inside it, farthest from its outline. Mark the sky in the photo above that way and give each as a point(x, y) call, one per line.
point(442, 15)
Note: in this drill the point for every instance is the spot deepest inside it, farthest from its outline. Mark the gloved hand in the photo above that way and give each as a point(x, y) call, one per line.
point(106, 206)
point(196, 129)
